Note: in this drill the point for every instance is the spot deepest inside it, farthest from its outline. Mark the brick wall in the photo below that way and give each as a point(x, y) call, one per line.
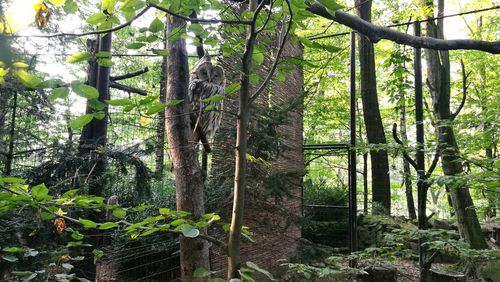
point(273, 220)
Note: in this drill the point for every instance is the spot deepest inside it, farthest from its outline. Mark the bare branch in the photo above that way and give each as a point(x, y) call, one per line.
point(405, 155)
point(376, 33)
point(464, 91)
point(129, 75)
point(433, 164)
point(127, 88)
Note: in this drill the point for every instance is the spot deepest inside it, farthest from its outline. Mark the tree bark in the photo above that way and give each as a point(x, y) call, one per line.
point(410, 202)
point(381, 190)
point(234, 255)
point(160, 127)
point(438, 64)
point(188, 176)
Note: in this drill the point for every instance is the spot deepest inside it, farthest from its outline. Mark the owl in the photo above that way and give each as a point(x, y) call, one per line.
point(206, 80)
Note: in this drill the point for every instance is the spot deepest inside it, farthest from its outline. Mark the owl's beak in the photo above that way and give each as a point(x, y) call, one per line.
point(209, 73)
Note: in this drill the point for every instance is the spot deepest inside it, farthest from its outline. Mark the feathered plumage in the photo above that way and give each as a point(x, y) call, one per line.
point(206, 81)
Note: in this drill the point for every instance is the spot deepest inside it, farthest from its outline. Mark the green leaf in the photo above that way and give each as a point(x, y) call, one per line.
point(156, 26)
point(174, 102)
point(155, 108)
point(213, 99)
point(330, 5)
point(120, 102)
point(97, 18)
point(81, 121)
point(232, 88)
point(103, 62)
point(13, 250)
point(202, 272)
point(87, 223)
point(103, 54)
point(263, 271)
point(189, 231)
point(85, 91)
point(96, 105)
point(78, 57)
point(119, 213)
point(50, 83)
point(27, 79)
point(108, 225)
point(135, 45)
point(20, 65)
point(258, 57)
point(108, 5)
point(77, 236)
point(10, 258)
point(46, 215)
point(132, 5)
point(40, 192)
point(160, 52)
point(70, 7)
point(97, 253)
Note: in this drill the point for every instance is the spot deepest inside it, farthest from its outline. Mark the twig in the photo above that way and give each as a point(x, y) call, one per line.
point(405, 155)
point(129, 75)
point(464, 91)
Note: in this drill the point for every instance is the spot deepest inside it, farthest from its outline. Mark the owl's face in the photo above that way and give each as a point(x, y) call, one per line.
point(210, 73)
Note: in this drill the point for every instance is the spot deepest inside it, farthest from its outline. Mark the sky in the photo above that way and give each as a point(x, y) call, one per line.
point(21, 13)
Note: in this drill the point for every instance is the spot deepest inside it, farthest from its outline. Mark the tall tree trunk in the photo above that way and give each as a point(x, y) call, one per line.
point(381, 187)
point(160, 127)
point(188, 177)
point(410, 202)
point(234, 254)
point(438, 64)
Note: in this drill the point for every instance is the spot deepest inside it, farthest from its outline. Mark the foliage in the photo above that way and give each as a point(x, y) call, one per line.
point(64, 210)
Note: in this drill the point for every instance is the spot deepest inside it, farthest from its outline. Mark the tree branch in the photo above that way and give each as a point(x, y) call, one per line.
point(129, 75)
point(278, 55)
point(190, 19)
point(405, 155)
point(376, 33)
point(118, 27)
point(464, 91)
point(127, 88)
point(433, 164)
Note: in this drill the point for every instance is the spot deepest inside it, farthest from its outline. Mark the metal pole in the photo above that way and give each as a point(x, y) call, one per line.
point(419, 116)
point(353, 244)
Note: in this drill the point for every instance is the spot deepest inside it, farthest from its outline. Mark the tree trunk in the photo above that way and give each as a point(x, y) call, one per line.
point(438, 65)
point(234, 255)
point(381, 188)
point(410, 202)
point(188, 176)
point(160, 127)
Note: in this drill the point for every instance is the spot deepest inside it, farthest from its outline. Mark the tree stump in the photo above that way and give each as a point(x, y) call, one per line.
point(384, 273)
point(434, 275)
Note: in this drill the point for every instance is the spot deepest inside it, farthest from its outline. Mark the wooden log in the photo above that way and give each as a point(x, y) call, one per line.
point(435, 275)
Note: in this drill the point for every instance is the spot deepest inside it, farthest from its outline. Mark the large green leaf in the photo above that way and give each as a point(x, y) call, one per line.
point(97, 18)
point(156, 26)
point(28, 79)
point(81, 121)
point(85, 91)
point(59, 93)
point(189, 231)
point(87, 223)
point(108, 225)
point(155, 108)
point(78, 57)
point(40, 192)
point(330, 5)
